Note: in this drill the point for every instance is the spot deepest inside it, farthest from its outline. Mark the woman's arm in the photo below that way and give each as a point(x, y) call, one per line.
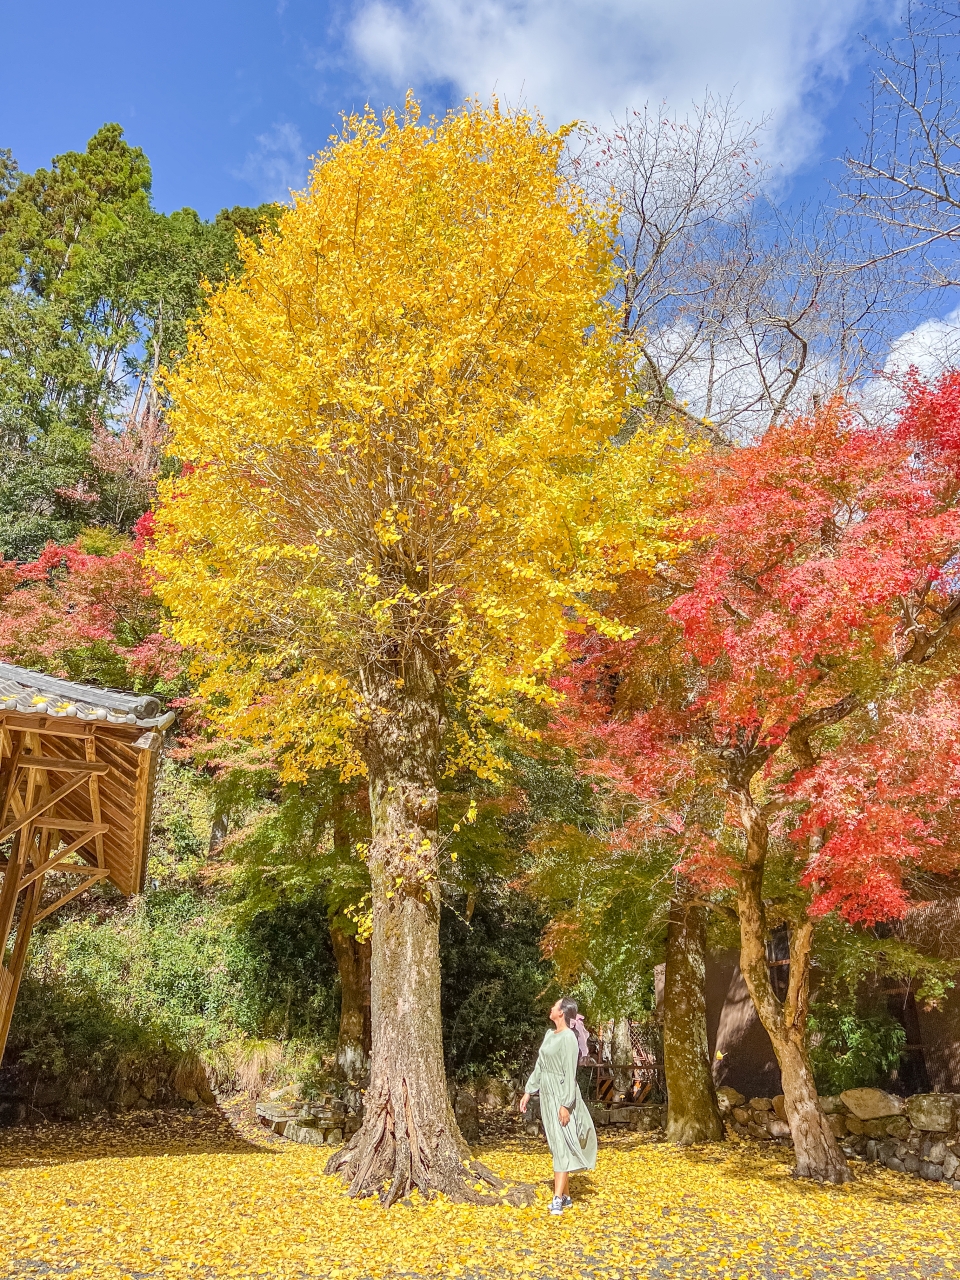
point(533, 1084)
point(571, 1060)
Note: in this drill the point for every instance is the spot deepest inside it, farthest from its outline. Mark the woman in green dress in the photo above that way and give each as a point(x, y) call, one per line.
point(568, 1123)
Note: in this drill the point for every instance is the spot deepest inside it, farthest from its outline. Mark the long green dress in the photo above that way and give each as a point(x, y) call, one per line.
point(573, 1146)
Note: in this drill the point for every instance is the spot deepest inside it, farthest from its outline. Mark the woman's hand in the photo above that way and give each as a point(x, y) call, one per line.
point(564, 1116)
point(523, 1103)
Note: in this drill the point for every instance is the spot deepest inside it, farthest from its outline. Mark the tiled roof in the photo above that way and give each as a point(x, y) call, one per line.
point(30, 693)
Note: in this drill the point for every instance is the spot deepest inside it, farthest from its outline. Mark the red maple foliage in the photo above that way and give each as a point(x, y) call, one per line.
point(795, 672)
point(810, 633)
point(888, 803)
point(88, 616)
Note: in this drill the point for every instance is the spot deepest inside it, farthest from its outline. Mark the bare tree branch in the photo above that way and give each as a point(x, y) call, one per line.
point(905, 184)
point(737, 314)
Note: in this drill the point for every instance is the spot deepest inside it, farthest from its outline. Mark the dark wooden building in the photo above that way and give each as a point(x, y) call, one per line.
point(931, 1058)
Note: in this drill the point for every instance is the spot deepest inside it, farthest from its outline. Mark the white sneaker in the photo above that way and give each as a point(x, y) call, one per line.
point(567, 1202)
point(556, 1205)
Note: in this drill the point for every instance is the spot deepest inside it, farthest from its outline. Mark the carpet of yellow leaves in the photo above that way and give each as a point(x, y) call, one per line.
point(160, 1196)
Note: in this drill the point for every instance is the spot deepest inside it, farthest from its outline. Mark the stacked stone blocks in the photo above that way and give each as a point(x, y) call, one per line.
point(918, 1135)
point(322, 1121)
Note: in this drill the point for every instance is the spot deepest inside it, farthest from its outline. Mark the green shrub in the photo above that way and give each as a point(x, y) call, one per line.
point(851, 1050)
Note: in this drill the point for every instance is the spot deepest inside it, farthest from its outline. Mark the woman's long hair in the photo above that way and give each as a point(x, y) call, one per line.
point(569, 1008)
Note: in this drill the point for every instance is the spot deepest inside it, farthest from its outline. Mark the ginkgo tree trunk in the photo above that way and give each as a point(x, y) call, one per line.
point(400, 488)
point(410, 1137)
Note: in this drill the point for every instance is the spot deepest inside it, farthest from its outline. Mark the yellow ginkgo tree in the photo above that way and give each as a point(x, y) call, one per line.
point(399, 491)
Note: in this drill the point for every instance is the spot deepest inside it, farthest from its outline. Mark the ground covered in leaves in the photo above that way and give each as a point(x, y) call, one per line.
point(212, 1196)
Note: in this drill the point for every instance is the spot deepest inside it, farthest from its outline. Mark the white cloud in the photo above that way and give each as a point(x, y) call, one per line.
point(589, 58)
point(930, 348)
point(277, 165)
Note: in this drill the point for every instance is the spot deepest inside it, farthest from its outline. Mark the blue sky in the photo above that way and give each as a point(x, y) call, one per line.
point(229, 98)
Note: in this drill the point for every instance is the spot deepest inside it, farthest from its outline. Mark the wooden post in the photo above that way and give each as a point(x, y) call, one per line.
point(10, 971)
point(90, 751)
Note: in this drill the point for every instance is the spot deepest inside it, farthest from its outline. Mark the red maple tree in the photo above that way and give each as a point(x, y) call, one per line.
point(86, 612)
point(798, 661)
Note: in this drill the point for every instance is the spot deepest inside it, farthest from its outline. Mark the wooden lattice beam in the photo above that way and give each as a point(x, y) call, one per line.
point(42, 841)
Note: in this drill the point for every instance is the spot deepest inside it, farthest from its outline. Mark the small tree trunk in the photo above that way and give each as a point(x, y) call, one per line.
point(353, 965)
point(353, 1041)
point(219, 830)
point(692, 1111)
point(409, 1137)
point(622, 1056)
point(817, 1153)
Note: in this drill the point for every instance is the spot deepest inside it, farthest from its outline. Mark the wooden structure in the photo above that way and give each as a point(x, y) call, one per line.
point(78, 767)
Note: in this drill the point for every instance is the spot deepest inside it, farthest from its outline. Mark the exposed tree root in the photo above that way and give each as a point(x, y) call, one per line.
point(391, 1161)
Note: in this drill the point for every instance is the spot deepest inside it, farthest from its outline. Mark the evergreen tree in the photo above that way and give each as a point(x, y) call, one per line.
point(96, 288)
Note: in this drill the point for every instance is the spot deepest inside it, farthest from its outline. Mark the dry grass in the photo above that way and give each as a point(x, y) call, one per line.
point(248, 1066)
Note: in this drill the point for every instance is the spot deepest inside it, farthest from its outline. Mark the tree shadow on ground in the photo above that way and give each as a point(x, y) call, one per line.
point(752, 1162)
point(138, 1134)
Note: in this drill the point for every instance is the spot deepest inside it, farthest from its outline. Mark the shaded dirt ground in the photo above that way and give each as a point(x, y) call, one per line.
point(158, 1195)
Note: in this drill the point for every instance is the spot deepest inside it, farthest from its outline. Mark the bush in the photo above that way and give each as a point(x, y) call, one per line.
point(173, 970)
point(496, 986)
point(850, 1050)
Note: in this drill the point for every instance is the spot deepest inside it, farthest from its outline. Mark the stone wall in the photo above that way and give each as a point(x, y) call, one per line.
point(620, 1115)
point(642, 1119)
point(28, 1095)
point(918, 1135)
point(329, 1120)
